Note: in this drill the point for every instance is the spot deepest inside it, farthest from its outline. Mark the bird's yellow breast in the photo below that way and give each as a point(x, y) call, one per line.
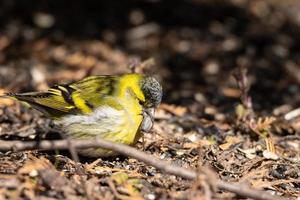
point(134, 116)
point(121, 126)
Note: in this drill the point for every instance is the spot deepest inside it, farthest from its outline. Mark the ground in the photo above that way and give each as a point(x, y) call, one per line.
point(230, 74)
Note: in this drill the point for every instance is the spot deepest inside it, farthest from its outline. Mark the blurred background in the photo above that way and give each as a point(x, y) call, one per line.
point(230, 71)
point(197, 45)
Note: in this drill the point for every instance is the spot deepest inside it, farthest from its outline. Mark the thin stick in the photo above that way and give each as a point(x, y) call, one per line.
point(162, 165)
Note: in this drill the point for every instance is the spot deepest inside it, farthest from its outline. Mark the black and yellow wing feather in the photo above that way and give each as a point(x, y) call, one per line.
point(49, 103)
point(79, 97)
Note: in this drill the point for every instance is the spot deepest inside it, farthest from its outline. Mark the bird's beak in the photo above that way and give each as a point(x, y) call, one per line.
point(150, 112)
point(148, 120)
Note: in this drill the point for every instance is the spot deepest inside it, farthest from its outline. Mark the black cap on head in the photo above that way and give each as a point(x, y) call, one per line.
point(152, 91)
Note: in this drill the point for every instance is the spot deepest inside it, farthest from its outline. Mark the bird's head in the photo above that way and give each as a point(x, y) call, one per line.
point(152, 91)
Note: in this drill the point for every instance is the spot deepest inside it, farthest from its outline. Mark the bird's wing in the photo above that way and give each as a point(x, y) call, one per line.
point(76, 98)
point(51, 103)
point(94, 91)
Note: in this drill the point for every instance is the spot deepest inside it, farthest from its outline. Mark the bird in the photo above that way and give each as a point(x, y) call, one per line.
point(117, 108)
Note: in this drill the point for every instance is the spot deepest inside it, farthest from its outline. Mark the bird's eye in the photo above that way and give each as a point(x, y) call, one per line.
point(141, 102)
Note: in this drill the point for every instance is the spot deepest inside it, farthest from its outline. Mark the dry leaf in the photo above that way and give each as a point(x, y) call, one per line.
point(262, 126)
point(119, 177)
point(229, 141)
point(176, 110)
point(35, 164)
point(231, 92)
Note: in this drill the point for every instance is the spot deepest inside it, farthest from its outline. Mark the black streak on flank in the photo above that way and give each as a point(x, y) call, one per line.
point(67, 95)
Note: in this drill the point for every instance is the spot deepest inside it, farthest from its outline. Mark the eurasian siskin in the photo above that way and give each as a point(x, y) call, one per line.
point(115, 108)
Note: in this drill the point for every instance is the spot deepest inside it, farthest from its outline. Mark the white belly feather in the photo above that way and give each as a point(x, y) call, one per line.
point(100, 122)
point(104, 114)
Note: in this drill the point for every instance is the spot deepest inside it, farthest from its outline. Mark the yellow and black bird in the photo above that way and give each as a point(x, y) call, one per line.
point(115, 108)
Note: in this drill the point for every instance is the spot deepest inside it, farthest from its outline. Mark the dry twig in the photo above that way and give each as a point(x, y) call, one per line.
point(132, 152)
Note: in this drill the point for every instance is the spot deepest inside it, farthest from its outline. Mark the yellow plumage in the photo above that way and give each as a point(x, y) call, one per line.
point(115, 108)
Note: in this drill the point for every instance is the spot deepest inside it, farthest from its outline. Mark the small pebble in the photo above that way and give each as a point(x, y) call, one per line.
point(270, 155)
point(151, 196)
point(33, 173)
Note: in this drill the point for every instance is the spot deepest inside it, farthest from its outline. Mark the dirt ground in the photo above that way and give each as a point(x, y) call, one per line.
point(230, 71)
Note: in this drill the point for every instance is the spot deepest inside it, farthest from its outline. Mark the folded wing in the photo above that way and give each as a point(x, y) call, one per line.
point(77, 98)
